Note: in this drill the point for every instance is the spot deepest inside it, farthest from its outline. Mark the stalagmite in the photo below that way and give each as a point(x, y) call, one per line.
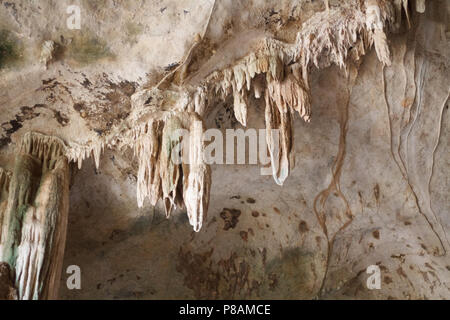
point(35, 218)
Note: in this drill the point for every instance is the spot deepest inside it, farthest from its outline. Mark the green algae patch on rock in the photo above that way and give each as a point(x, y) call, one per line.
point(294, 275)
point(87, 49)
point(134, 30)
point(10, 51)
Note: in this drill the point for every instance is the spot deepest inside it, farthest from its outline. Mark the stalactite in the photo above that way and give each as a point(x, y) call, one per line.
point(78, 153)
point(375, 25)
point(196, 177)
point(240, 107)
point(170, 172)
point(35, 218)
point(147, 149)
point(279, 137)
point(171, 165)
point(291, 95)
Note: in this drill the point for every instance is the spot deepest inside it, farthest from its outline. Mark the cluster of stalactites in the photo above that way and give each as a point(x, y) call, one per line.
point(79, 153)
point(275, 71)
point(172, 166)
point(180, 182)
point(243, 79)
point(279, 72)
point(286, 91)
point(47, 149)
point(283, 99)
point(329, 37)
point(334, 36)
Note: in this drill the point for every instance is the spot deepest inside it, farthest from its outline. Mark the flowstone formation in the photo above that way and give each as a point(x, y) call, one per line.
point(34, 217)
point(367, 78)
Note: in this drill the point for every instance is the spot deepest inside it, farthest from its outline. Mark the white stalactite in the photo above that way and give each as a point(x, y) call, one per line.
point(147, 149)
point(197, 181)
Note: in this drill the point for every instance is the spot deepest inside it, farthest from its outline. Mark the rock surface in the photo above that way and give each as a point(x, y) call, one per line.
point(371, 176)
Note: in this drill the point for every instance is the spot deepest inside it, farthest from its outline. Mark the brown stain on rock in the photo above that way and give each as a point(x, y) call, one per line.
point(290, 275)
point(230, 217)
point(376, 234)
point(224, 279)
point(241, 275)
point(111, 106)
point(376, 192)
point(401, 273)
point(303, 227)
point(9, 127)
point(273, 281)
point(407, 102)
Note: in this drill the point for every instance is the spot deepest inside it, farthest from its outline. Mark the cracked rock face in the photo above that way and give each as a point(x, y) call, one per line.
point(359, 91)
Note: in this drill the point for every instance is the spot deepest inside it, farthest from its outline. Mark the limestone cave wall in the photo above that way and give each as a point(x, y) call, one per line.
point(362, 179)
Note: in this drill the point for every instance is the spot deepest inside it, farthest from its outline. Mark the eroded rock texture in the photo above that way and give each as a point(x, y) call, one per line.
point(357, 89)
point(7, 287)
